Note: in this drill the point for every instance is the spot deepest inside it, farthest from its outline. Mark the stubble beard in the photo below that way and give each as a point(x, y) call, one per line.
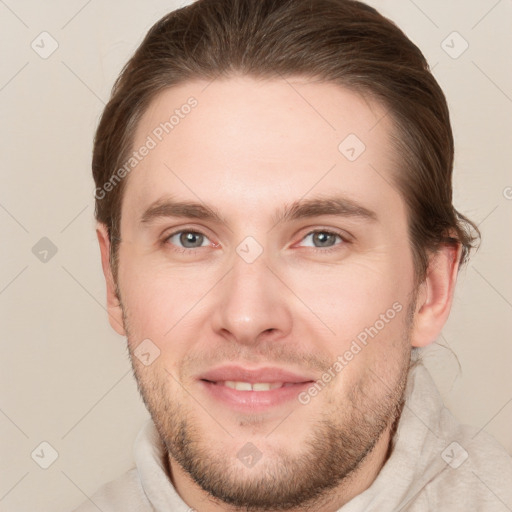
point(332, 452)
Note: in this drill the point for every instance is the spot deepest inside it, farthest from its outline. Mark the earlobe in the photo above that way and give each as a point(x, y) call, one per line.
point(435, 296)
point(115, 314)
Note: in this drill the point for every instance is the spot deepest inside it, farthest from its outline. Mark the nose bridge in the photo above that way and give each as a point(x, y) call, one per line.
point(250, 279)
point(252, 300)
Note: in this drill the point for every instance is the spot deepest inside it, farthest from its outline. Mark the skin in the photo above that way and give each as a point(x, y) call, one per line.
point(248, 149)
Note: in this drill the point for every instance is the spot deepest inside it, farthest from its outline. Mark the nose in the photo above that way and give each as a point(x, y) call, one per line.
point(252, 304)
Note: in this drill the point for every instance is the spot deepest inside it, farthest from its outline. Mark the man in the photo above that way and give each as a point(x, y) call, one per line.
point(277, 234)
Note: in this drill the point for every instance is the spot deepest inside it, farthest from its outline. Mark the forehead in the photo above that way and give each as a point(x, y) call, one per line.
point(263, 142)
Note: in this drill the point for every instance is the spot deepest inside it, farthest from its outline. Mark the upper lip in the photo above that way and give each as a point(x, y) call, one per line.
point(241, 374)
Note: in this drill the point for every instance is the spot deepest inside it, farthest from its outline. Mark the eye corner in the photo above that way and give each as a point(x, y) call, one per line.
point(325, 231)
point(177, 246)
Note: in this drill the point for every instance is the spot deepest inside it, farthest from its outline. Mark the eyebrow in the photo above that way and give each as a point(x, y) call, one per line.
point(303, 208)
point(338, 205)
point(167, 207)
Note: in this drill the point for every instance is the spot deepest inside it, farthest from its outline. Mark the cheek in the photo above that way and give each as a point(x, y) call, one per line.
point(351, 296)
point(162, 300)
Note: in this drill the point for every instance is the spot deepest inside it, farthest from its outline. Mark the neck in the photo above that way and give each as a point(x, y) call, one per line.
point(354, 484)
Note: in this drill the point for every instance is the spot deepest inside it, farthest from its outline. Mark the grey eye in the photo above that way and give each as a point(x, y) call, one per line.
point(321, 239)
point(188, 239)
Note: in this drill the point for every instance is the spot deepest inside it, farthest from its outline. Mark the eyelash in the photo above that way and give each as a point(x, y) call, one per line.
point(324, 250)
point(183, 250)
point(192, 251)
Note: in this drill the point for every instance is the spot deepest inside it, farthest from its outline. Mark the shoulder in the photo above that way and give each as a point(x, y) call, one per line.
point(441, 463)
point(122, 494)
point(477, 472)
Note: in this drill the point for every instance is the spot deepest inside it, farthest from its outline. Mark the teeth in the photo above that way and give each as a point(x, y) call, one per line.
point(261, 386)
point(242, 386)
point(247, 386)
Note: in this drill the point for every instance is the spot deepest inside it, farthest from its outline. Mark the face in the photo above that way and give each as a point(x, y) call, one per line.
point(265, 261)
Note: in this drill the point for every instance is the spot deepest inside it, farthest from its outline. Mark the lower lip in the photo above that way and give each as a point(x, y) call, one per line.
point(253, 401)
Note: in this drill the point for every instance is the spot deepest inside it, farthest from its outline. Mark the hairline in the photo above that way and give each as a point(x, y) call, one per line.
point(395, 132)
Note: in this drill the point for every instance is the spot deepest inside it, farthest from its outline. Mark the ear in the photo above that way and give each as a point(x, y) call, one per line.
point(435, 295)
point(115, 313)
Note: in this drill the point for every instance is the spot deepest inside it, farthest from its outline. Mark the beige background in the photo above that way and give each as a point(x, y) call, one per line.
point(65, 376)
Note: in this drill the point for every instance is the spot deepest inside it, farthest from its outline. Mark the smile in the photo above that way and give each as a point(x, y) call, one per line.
point(253, 386)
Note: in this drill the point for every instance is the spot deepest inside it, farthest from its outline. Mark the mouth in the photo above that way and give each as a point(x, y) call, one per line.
point(252, 390)
point(253, 386)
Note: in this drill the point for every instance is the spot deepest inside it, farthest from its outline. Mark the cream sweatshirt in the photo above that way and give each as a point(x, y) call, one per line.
point(436, 464)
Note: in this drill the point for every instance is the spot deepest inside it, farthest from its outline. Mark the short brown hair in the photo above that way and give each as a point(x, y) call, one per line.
point(339, 41)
